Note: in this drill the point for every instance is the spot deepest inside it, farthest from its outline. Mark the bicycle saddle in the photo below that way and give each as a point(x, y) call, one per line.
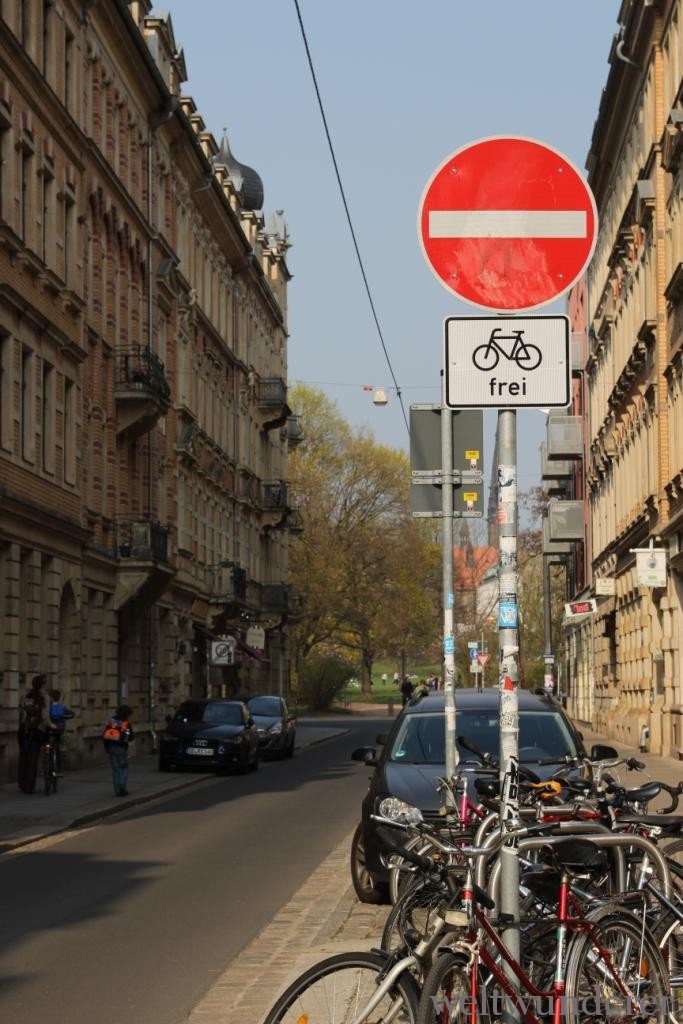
point(668, 822)
point(579, 857)
point(644, 793)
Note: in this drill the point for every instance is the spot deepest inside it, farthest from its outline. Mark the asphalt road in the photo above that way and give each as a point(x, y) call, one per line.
point(130, 921)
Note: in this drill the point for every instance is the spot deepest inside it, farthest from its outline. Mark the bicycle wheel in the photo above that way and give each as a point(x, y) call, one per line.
point(413, 911)
point(47, 771)
point(338, 989)
point(446, 992)
point(53, 769)
point(529, 357)
point(485, 357)
point(402, 872)
point(619, 964)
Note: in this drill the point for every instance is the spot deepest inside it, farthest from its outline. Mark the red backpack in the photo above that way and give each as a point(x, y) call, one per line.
point(116, 731)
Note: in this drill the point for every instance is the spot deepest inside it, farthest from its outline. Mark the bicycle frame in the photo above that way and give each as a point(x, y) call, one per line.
point(478, 953)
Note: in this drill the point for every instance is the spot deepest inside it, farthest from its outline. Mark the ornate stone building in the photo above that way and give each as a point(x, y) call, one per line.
point(631, 303)
point(144, 426)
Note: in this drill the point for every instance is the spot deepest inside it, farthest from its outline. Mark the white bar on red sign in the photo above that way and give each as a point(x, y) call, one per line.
point(507, 224)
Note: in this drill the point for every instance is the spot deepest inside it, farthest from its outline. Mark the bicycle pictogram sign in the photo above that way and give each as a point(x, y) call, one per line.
point(526, 355)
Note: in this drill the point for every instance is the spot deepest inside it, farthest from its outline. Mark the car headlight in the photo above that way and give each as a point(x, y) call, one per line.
point(276, 729)
point(399, 810)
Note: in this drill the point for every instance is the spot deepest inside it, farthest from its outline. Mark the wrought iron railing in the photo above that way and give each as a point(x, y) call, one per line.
point(138, 369)
point(273, 495)
point(272, 391)
point(141, 540)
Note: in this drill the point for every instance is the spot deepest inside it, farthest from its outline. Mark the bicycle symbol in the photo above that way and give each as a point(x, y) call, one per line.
point(526, 355)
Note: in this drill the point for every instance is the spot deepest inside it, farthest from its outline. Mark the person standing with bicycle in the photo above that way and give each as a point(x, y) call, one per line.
point(34, 725)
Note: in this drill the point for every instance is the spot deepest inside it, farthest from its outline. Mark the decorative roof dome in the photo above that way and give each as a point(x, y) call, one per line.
point(245, 179)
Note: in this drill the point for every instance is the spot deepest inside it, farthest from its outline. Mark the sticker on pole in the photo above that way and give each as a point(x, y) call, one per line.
point(507, 223)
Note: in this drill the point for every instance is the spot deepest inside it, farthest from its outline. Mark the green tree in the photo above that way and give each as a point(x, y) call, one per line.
point(364, 566)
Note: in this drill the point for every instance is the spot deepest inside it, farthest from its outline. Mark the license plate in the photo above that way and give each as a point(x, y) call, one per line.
point(200, 751)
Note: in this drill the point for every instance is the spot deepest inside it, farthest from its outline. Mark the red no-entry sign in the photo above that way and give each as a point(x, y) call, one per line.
point(507, 223)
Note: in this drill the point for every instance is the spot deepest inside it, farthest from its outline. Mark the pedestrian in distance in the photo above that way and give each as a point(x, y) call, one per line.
point(59, 713)
point(406, 690)
point(397, 679)
point(117, 735)
point(34, 725)
point(384, 679)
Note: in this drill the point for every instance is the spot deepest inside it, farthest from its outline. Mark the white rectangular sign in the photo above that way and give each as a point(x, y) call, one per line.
point(507, 362)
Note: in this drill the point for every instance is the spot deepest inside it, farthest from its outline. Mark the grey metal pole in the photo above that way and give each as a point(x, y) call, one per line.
point(452, 757)
point(509, 678)
point(548, 658)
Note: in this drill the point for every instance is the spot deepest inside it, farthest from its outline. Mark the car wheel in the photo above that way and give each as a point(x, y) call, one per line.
point(256, 762)
point(164, 764)
point(290, 749)
point(243, 766)
point(367, 889)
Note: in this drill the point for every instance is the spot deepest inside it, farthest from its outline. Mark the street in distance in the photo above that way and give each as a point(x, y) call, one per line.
point(507, 362)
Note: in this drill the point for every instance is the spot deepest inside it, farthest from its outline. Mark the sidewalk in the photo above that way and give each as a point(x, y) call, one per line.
point(660, 769)
point(87, 795)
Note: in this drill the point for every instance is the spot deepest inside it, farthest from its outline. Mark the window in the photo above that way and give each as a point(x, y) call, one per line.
point(68, 236)
point(47, 182)
point(68, 69)
point(69, 432)
point(25, 170)
point(48, 418)
point(47, 33)
point(5, 393)
point(24, 23)
point(26, 392)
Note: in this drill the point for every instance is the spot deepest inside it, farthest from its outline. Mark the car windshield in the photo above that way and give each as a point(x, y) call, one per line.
point(265, 706)
point(218, 713)
point(420, 737)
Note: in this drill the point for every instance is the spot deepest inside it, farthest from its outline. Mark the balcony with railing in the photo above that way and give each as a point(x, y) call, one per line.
point(141, 389)
point(271, 398)
point(564, 438)
point(557, 468)
point(273, 496)
point(295, 432)
point(142, 549)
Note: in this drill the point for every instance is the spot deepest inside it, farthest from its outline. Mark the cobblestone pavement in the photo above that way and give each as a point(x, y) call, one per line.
point(322, 918)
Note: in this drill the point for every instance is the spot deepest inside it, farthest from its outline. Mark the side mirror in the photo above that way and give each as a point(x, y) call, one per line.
point(250, 720)
point(366, 756)
point(291, 718)
point(381, 738)
point(601, 752)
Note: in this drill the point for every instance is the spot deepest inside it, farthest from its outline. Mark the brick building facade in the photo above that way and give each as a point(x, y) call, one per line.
point(144, 425)
point(630, 304)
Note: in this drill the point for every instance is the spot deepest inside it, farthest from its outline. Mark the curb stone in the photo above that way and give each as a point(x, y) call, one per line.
point(323, 917)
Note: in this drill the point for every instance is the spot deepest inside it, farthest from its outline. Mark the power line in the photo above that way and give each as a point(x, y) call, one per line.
point(348, 213)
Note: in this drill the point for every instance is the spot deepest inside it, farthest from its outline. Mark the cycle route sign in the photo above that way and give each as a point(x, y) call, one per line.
point(507, 362)
point(507, 224)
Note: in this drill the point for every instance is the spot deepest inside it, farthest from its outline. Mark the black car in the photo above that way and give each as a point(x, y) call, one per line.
point(275, 726)
point(413, 756)
point(211, 733)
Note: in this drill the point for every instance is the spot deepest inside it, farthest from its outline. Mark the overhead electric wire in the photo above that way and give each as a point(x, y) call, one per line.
point(348, 212)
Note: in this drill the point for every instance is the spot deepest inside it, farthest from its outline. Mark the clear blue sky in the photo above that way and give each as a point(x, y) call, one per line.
point(404, 84)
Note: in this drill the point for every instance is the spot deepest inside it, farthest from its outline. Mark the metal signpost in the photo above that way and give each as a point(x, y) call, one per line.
point(507, 224)
point(446, 463)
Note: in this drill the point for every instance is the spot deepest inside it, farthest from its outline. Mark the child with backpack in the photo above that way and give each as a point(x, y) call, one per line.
point(34, 724)
point(117, 735)
point(59, 713)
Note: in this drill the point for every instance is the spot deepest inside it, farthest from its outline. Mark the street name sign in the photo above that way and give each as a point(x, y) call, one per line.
point(507, 223)
point(507, 362)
